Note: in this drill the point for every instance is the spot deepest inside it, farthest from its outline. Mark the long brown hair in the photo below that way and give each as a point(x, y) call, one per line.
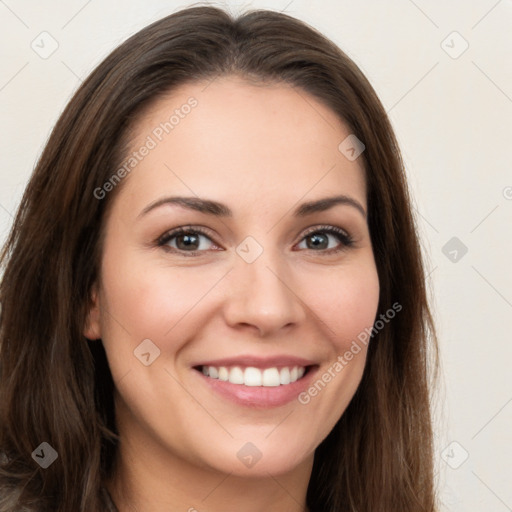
point(56, 387)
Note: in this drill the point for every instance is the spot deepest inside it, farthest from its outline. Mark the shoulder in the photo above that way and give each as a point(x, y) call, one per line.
point(107, 499)
point(9, 500)
point(9, 494)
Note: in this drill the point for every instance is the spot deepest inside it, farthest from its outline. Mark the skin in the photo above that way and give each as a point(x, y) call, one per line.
point(261, 150)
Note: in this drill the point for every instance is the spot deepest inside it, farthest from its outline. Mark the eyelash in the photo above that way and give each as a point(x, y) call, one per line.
point(345, 239)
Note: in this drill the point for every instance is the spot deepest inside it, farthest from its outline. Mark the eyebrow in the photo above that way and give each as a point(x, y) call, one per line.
point(217, 209)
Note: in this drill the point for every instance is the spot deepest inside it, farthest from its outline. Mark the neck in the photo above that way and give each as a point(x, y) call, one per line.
point(148, 478)
point(198, 490)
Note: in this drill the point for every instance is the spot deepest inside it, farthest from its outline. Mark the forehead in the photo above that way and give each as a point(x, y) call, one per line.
point(232, 140)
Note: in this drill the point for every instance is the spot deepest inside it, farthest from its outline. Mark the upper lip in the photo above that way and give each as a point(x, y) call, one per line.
point(258, 361)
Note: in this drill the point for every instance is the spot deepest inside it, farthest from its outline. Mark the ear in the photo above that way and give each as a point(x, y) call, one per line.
point(92, 328)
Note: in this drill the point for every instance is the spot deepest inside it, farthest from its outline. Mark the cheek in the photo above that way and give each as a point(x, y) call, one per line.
point(346, 302)
point(151, 300)
point(345, 306)
point(148, 298)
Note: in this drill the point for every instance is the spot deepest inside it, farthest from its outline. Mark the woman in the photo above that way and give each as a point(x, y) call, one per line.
point(213, 296)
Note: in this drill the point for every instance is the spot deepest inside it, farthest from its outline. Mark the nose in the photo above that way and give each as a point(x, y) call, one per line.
point(262, 296)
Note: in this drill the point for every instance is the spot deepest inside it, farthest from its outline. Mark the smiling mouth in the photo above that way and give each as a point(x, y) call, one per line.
point(255, 377)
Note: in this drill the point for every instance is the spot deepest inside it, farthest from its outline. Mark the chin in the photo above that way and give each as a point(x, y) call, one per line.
point(257, 458)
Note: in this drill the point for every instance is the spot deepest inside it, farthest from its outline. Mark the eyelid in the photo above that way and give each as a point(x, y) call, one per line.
point(186, 228)
point(324, 227)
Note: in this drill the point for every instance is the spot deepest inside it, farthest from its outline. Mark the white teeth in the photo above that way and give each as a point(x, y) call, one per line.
point(254, 377)
point(271, 377)
point(284, 376)
point(236, 375)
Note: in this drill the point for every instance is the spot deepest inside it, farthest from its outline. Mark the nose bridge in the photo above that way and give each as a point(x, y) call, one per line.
point(263, 293)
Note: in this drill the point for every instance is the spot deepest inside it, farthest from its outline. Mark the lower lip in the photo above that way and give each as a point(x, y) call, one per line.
point(259, 396)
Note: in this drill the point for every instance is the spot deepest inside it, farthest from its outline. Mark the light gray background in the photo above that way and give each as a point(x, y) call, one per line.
point(452, 115)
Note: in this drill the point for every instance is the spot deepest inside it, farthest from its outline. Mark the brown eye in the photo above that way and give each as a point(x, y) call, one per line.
point(188, 241)
point(185, 240)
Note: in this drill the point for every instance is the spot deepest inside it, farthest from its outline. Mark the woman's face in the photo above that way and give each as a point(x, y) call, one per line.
point(266, 286)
